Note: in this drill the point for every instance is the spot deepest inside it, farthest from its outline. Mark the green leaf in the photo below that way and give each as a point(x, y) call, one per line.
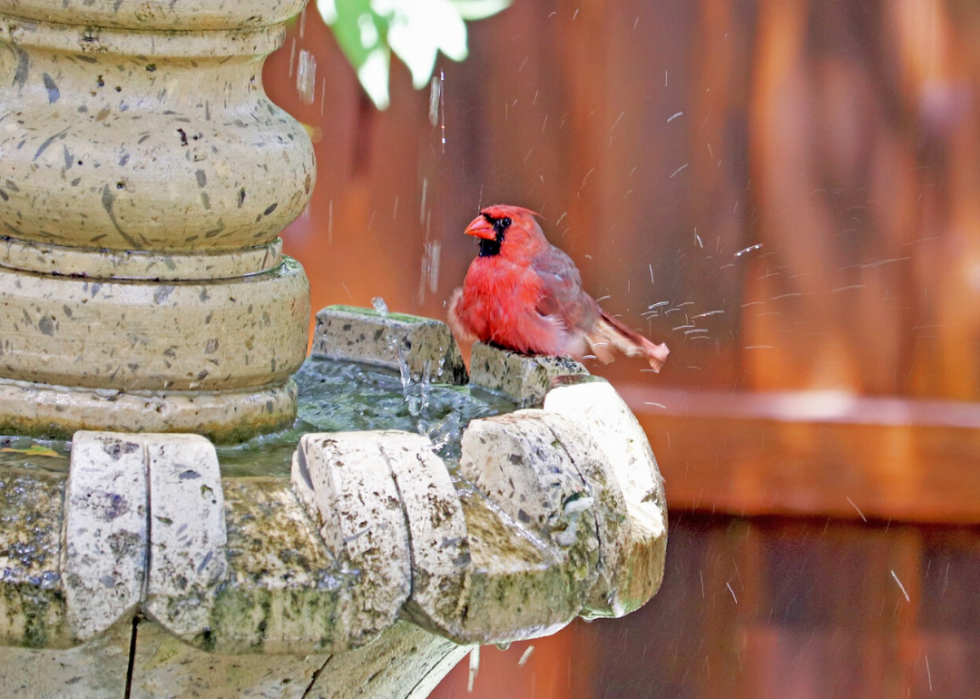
point(362, 35)
point(367, 31)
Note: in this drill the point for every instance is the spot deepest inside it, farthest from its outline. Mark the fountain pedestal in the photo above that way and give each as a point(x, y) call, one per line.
point(145, 180)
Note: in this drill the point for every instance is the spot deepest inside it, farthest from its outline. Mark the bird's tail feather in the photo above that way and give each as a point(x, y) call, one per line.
point(610, 333)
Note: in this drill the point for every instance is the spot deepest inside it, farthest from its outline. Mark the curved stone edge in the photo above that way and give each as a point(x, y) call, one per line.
point(344, 482)
point(440, 549)
point(234, 335)
point(519, 462)
point(75, 39)
point(632, 548)
point(157, 15)
point(598, 408)
point(613, 528)
point(104, 536)
point(58, 411)
point(137, 265)
point(143, 527)
point(531, 528)
point(405, 662)
point(422, 348)
point(187, 536)
point(517, 558)
point(480, 571)
point(525, 379)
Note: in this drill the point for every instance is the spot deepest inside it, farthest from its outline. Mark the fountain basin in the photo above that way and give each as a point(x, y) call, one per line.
point(375, 547)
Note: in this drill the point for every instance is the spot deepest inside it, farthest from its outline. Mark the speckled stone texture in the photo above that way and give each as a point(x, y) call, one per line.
point(145, 180)
point(95, 670)
point(424, 347)
point(344, 481)
point(32, 601)
point(186, 554)
point(164, 667)
point(524, 378)
point(149, 140)
point(636, 551)
point(105, 532)
point(284, 590)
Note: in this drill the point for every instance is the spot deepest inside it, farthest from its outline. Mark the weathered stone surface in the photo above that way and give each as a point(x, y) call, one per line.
point(179, 150)
point(239, 334)
point(344, 482)
point(518, 461)
point(437, 527)
point(32, 601)
point(43, 410)
point(135, 265)
point(518, 585)
point(284, 590)
point(596, 406)
point(94, 670)
point(165, 667)
point(104, 538)
point(153, 15)
point(187, 532)
point(613, 525)
point(423, 347)
point(145, 155)
point(405, 662)
point(524, 378)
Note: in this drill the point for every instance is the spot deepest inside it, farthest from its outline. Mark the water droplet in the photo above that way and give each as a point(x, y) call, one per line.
point(379, 305)
point(306, 76)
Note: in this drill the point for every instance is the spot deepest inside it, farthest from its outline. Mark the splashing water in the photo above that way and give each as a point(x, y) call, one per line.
point(306, 77)
point(336, 396)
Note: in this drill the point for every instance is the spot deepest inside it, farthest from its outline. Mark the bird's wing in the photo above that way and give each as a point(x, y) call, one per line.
point(561, 294)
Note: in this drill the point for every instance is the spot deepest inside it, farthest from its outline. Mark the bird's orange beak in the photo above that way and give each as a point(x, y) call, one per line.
point(480, 227)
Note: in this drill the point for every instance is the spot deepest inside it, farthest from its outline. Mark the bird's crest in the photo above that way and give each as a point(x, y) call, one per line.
point(499, 211)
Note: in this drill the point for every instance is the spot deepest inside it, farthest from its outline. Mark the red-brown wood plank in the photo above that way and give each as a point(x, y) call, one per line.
point(814, 454)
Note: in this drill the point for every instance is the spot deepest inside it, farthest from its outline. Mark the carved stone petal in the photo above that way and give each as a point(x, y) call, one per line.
point(440, 549)
point(597, 407)
point(344, 481)
point(104, 537)
point(187, 532)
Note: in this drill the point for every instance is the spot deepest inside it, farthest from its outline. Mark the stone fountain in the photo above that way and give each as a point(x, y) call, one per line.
point(147, 313)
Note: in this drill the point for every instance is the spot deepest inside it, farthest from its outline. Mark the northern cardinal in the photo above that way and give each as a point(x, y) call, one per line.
point(524, 294)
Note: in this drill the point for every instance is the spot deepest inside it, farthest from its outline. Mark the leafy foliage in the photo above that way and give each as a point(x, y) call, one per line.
point(416, 30)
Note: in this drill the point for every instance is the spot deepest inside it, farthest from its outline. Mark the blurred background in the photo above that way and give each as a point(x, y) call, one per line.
point(787, 192)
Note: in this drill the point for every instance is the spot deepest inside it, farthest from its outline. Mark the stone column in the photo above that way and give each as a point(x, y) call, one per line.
point(144, 180)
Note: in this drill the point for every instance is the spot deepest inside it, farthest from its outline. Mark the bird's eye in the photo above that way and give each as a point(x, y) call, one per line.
point(505, 222)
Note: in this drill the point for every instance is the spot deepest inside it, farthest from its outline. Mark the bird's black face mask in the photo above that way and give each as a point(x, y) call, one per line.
point(489, 248)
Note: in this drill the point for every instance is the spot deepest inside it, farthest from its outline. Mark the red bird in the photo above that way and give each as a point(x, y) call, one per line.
point(524, 294)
